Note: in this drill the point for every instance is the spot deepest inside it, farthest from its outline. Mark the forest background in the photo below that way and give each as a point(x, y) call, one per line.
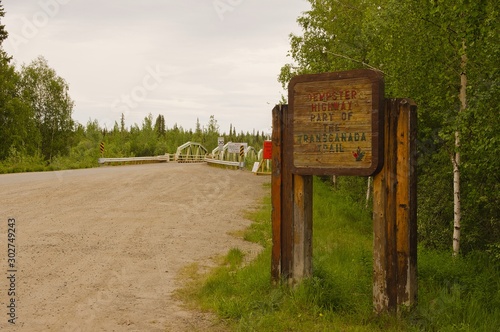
point(444, 55)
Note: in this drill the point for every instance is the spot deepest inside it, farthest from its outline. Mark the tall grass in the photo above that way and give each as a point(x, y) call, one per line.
point(454, 294)
point(81, 156)
point(18, 162)
point(458, 294)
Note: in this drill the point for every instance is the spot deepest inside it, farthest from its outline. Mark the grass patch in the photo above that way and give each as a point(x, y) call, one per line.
point(260, 230)
point(454, 294)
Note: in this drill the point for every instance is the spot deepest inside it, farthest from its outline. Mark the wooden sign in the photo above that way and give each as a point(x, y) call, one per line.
point(335, 123)
point(394, 203)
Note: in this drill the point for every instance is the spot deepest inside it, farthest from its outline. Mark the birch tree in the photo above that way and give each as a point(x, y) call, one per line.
point(18, 132)
point(439, 54)
point(47, 94)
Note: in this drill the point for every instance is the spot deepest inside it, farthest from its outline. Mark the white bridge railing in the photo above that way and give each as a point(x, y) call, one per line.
point(191, 152)
point(223, 162)
point(157, 159)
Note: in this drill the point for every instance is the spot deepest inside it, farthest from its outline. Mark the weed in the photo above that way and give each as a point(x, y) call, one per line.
point(461, 294)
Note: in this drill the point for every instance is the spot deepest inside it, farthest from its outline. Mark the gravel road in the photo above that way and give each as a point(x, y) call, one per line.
point(100, 249)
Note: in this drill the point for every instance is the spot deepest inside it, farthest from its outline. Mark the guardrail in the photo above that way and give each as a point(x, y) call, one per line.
point(222, 162)
point(191, 152)
point(157, 159)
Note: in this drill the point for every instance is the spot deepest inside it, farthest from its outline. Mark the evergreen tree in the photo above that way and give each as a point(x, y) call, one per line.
point(160, 126)
point(3, 33)
point(122, 123)
point(211, 134)
point(198, 136)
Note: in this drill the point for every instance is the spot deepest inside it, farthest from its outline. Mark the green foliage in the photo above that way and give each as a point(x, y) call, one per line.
point(419, 47)
point(17, 125)
point(160, 126)
point(3, 33)
point(82, 146)
point(258, 232)
point(37, 131)
point(48, 97)
point(461, 294)
point(340, 286)
point(19, 161)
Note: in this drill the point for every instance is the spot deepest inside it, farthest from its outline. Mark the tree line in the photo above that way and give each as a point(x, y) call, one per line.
point(444, 55)
point(37, 131)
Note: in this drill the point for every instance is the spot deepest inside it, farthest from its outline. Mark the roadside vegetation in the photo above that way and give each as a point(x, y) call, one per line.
point(38, 133)
point(442, 54)
point(152, 138)
point(461, 294)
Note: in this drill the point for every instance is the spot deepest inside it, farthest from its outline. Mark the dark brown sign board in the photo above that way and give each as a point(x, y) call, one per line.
point(335, 123)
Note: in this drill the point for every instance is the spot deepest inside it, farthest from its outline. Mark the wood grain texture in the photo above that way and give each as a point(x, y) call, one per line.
point(394, 212)
point(335, 123)
point(302, 227)
point(276, 192)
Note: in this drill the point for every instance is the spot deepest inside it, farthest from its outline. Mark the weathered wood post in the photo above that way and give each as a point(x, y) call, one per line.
point(395, 211)
point(302, 227)
point(291, 210)
point(276, 191)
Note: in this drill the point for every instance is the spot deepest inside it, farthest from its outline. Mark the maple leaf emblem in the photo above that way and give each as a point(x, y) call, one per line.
point(358, 155)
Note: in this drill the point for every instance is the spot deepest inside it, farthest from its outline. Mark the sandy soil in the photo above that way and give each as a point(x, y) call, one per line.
point(100, 249)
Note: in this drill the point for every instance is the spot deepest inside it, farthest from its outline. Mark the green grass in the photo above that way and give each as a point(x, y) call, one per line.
point(454, 294)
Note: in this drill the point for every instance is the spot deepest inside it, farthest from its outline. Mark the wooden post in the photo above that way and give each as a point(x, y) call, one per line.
point(276, 192)
point(302, 228)
point(394, 211)
point(286, 201)
point(383, 225)
point(291, 197)
point(406, 203)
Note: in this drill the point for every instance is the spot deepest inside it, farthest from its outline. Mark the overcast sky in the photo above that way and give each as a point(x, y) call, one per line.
point(184, 59)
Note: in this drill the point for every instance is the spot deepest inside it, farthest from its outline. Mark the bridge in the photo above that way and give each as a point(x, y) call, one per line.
point(190, 152)
point(193, 152)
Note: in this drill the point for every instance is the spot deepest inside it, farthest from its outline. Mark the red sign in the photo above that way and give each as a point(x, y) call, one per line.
point(268, 150)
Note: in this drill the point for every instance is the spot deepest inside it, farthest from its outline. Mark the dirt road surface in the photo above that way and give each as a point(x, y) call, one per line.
point(100, 249)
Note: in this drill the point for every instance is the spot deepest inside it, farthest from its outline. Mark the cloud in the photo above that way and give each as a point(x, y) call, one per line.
point(226, 66)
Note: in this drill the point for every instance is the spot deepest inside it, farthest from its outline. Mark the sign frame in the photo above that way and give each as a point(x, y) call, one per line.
point(340, 79)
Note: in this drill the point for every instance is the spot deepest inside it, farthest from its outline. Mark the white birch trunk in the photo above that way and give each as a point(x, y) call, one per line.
point(457, 213)
point(368, 191)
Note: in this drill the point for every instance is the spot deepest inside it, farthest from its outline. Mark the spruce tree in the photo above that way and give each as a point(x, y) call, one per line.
point(3, 36)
